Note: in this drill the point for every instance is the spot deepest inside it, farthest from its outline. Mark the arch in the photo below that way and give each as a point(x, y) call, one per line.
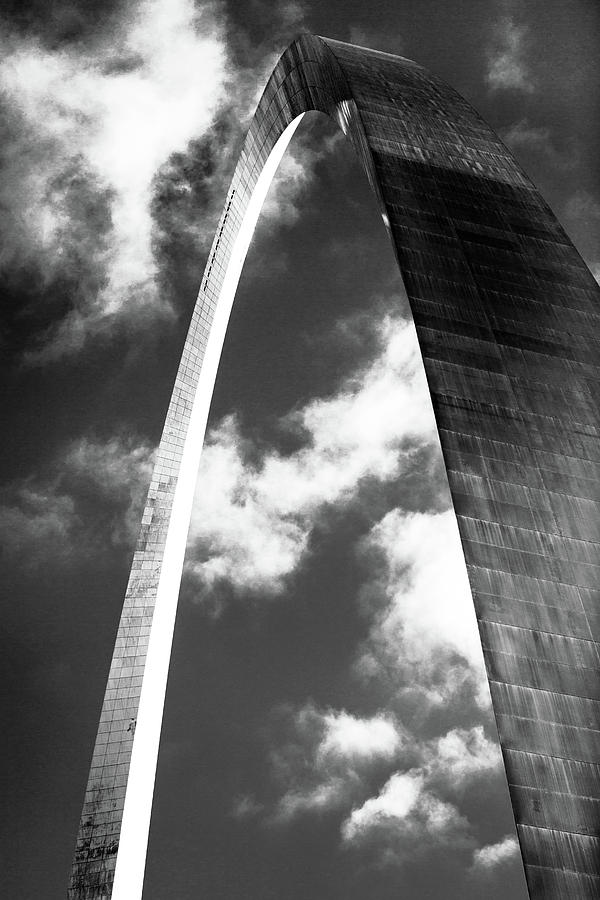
point(508, 323)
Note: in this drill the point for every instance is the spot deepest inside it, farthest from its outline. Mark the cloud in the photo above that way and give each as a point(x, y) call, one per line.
point(392, 791)
point(507, 65)
point(116, 159)
point(416, 810)
point(522, 134)
point(460, 755)
point(349, 737)
point(283, 202)
point(327, 758)
point(88, 129)
point(257, 51)
point(404, 820)
point(487, 858)
point(89, 501)
point(255, 510)
point(238, 533)
point(538, 141)
point(117, 472)
point(423, 638)
point(394, 787)
point(35, 523)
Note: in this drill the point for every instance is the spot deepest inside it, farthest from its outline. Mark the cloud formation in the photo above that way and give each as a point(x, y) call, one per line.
point(507, 63)
point(460, 755)
point(89, 501)
point(326, 757)
point(36, 522)
point(89, 127)
point(395, 787)
point(349, 737)
point(282, 204)
point(253, 517)
point(487, 858)
point(394, 793)
point(405, 819)
point(116, 160)
point(420, 806)
point(524, 134)
point(423, 639)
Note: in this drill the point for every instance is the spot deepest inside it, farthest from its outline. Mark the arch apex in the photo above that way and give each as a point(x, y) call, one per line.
point(509, 330)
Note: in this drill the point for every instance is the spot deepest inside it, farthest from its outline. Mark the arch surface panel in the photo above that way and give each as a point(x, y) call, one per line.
point(508, 320)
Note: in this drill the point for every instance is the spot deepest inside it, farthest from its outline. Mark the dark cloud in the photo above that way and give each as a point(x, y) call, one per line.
point(187, 197)
point(57, 259)
point(532, 141)
point(64, 22)
point(256, 40)
point(87, 504)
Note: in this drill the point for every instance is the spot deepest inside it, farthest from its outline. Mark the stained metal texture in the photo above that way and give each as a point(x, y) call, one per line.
point(508, 320)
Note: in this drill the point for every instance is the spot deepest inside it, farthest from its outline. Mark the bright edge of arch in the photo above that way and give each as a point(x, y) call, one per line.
point(131, 858)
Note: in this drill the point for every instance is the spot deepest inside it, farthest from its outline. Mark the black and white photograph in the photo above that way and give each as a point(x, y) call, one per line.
point(300, 474)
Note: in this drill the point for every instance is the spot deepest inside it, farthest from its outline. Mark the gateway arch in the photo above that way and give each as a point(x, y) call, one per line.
point(508, 321)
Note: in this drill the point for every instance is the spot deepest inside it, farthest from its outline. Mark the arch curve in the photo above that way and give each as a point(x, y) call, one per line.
point(508, 321)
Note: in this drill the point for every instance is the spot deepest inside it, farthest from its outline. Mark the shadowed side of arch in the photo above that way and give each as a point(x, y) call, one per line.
point(508, 320)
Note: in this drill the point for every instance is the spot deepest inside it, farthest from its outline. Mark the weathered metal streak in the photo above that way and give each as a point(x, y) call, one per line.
point(508, 319)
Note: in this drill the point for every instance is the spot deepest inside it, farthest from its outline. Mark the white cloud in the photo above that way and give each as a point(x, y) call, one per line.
point(461, 755)
point(408, 815)
point(241, 531)
point(507, 64)
point(252, 521)
point(487, 858)
point(95, 131)
point(353, 738)
point(424, 634)
point(327, 759)
point(105, 120)
point(332, 761)
point(405, 819)
point(397, 799)
point(283, 202)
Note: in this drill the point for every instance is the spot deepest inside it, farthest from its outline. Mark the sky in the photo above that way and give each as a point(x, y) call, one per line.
point(327, 730)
